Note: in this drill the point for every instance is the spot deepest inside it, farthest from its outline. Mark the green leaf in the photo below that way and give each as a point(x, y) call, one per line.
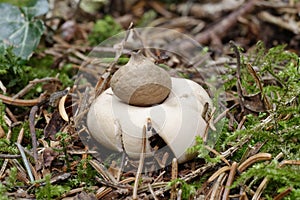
point(41, 7)
point(20, 3)
point(17, 31)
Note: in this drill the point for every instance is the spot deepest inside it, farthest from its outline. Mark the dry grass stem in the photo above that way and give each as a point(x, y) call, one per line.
point(256, 158)
point(230, 179)
point(141, 164)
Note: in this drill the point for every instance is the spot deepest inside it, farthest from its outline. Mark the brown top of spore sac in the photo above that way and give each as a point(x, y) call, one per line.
point(140, 82)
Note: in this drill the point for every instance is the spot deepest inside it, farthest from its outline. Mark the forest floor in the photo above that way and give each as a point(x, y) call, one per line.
point(248, 49)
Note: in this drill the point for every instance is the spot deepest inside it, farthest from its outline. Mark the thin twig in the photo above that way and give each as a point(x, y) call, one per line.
point(102, 193)
point(229, 181)
point(238, 75)
point(32, 84)
point(162, 185)
point(289, 162)
point(179, 194)
point(217, 154)
point(174, 176)
point(280, 21)
point(152, 192)
point(101, 169)
point(159, 176)
point(26, 163)
point(112, 185)
point(4, 165)
point(223, 114)
point(20, 136)
point(77, 190)
point(283, 194)
point(253, 159)
point(260, 189)
point(33, 111)
point(264, 182)
point(218, 173)
point(141, 165)
point(21, 102)
point(11, 115)
point(8, 156)
point(218, 187)
point(2, 132)
point(221, 28)
point(241, 123)
point(198, 172)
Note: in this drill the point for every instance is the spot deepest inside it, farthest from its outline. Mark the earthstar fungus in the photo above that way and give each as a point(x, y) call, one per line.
point(117, 116)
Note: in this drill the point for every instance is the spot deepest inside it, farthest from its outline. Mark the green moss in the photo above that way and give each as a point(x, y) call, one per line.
point(3, 192)
point(188, 190)
point(278, 128)
point(50, 191)
point(103, 29)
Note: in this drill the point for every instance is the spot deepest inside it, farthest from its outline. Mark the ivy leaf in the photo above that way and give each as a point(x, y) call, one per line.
point(41, 7)
point(20, 3)
point(19, 29)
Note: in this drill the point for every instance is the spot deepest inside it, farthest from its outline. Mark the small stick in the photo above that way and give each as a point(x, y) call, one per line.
point(20, 136)
point(32, 84)
point(264, 182)
point(217, 154)
point(283, 194)
point(152, 192)
point(2, 87)
point(198, 172)
point(21, 102)
point(105, 191)
point(253, 159)
point(179, 194)
point(221, 28)
point(83, 104)
point(218, 173)
point(209, 120)
point(238, 75)
point(112, 185)
point(2, 132)
point(289, 162)
point(161, 186)
point(146, 50)
point(11, 115)
point(260, 189)
point(174, 176)
point(218, 187)
point(26, 163)
point(77, 190)
point(240, 125)
point(141, 165)
point(223, 114)
point(265, 16)
point(259, 84)
point(159, 176)
point(4, 165)
point(229, 181)
point(33, 111)
point(102, 171)
point(8, 156)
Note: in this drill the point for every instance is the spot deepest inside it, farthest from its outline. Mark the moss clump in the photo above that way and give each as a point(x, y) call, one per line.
point(103, 29)
point(275, 130)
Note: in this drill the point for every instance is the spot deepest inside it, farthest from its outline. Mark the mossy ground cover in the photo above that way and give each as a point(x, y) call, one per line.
point(258, 147)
